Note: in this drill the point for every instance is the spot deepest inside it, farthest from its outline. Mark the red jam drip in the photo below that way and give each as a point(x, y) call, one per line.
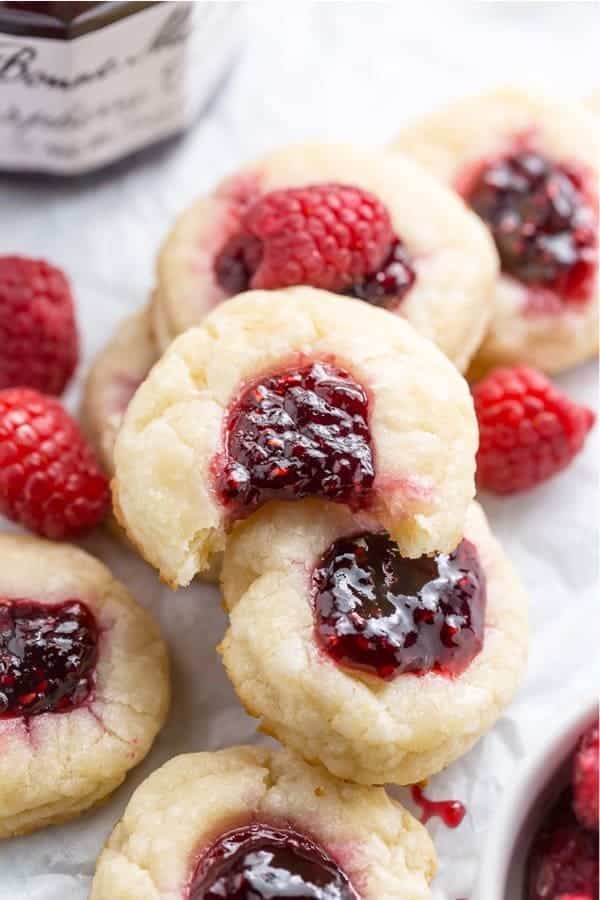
point(451, 812)
point(388, 286)
point(47, 657)
point(543, 221)
point(563, 859)
point(258, 862)
point(381, 613)
point(299, 433)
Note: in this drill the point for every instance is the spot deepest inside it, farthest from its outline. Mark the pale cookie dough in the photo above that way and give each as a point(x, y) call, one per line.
point(421, 420)
point(454, 259)
point(359, 726)
point(448, 142)
point(116, 373)
point(54, 765)
point(159, 323)
point(175, 816)
point(593, 103)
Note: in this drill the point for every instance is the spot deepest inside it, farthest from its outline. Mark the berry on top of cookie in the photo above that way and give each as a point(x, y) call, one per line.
point(354, 221)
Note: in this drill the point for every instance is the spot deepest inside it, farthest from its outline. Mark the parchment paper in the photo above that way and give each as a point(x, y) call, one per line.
point(338, 70)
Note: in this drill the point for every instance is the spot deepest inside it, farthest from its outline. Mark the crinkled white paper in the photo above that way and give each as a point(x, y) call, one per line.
point(353, 71)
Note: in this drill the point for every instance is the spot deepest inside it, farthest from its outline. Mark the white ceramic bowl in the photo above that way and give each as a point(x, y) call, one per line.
point(542, 777)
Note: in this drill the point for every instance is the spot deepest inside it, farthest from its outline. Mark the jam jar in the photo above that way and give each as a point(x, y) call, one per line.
point(84, 84)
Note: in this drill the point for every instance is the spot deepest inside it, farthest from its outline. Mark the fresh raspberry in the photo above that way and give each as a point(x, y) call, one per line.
point(563, 859)
point(585, 780)
point(38, 335)
point(50, 481)
point(329, 236)
point(528, 429)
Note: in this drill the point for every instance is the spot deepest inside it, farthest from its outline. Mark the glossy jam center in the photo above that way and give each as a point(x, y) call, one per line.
point(563, 860)
point(384, 614)
point(47, 657)
point(542, 220)
point(392, 281)
point(259, 862)
point(299, 433)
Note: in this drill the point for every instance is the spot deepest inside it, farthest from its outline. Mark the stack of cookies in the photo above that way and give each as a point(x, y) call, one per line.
point(326, 451)
point(517, 167)
point(289, 415)
point(309, 434)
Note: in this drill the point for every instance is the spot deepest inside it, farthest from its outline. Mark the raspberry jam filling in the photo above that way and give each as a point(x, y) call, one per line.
point(381, 613)
point(387, 286)
point(298, 433)
point(563, 860)
point(258, 862)
point(47, 657)
point(543, 217)
point(237, 262)
point(330, 236)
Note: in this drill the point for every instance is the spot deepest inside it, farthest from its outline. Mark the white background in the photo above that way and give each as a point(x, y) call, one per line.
point(336, 70)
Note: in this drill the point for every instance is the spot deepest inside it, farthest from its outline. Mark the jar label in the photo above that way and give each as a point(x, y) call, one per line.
point(68, 106)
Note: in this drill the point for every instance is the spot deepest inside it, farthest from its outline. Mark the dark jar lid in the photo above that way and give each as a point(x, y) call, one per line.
point(83, 85)
point(62, 21)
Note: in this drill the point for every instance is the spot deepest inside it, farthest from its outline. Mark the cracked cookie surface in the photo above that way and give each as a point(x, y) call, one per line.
point(367, 729)
point(184, 808)
point(71, 745)
point(453, 261)
point(534, 322)
point(114, 376)
point(417, 437)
